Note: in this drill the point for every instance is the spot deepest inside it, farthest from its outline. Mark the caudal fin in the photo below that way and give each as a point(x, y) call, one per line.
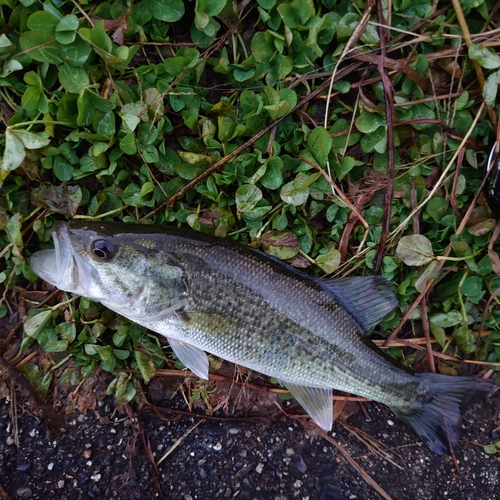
point(435, 415)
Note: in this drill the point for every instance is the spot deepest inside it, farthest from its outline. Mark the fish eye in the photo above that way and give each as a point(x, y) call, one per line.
point(102, 250)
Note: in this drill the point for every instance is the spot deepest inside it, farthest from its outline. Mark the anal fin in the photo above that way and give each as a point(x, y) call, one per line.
point(316, 401)
point(195, 359)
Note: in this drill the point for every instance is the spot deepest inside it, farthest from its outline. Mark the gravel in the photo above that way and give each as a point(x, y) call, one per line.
point(98, 454)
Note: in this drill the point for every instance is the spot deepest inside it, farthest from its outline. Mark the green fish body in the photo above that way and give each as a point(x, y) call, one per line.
point(206, 294)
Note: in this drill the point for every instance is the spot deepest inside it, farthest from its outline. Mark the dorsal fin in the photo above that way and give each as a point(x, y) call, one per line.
point(369, 299)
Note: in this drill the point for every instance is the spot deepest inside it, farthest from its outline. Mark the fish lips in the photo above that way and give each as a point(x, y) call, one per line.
point(58, 266)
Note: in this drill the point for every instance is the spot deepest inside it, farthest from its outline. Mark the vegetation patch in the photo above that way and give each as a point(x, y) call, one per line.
point(338, 136)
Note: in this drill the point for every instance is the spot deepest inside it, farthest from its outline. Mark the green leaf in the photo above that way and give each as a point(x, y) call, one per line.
point(31, 100)
point(247, 196)
point(65, 37)
point(31, 140)
point(59, 199)
point(267, 4)
point(42, 22)
point(14, 152)
point(145, 364)
point(282, 102)
point(319, 144)
point(41, 47)
point(273, 177)
point(280, 244)
point(485, 57)
point(68, 23)
point(305, 9)
point(431, 271)
point(128, 144)
point(296, 192)
point(472, 288)
point(415, 250)
point(492, 448)
point(281, 68)
point(446, 320)
point(169, 11)
point(63, 169)
point(130, 121)
point(35, 324)
point(490, 88)
point(438, 333)
point(67, 331)
point(32, 78)
point(6, 46)
point(437, 208)
point(289, 15)
point(261, 49)
point(465, 338)
point(100, 38)
point(330, 260)
point(73, 79)
point(77, 52)
point(369, 122)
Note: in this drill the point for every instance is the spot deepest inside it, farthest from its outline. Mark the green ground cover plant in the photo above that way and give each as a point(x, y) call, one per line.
point(345, 137)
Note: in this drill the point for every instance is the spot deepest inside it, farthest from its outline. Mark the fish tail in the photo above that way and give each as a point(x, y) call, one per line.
point(435, 413)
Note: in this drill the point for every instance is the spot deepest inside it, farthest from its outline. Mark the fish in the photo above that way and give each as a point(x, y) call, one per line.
point(215, 295)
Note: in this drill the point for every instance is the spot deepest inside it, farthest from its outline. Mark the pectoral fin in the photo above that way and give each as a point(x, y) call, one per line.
point(316, 401)
point(195, 359)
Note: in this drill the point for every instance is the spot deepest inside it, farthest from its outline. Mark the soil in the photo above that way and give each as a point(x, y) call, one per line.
point(103, 453)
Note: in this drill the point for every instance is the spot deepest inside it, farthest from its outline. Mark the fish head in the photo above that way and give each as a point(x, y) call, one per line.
point(127, 271)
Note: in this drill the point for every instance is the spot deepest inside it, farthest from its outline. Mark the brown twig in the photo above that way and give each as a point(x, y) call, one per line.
point(453, 198)
point(148, 452)
point(3, 493)
point(53, 419)
point(264, 419)
point(389, 114)
point(468, 41)
point(440, 264)
point(423, 304)
point(178, 442)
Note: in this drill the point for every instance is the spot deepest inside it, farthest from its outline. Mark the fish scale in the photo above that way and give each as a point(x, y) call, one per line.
point(246, 319)
point(206, 294)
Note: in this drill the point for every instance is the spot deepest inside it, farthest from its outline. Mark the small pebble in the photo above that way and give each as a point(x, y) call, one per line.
point(299, 463)
point(259, 468)
point(24, 493)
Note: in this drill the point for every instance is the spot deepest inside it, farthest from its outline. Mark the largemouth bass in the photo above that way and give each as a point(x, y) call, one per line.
point(210, 294)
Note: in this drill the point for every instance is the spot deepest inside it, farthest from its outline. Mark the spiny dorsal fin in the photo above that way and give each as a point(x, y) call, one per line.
point(368, 298)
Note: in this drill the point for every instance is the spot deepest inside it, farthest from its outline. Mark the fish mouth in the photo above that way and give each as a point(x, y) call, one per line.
point(59, 266)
